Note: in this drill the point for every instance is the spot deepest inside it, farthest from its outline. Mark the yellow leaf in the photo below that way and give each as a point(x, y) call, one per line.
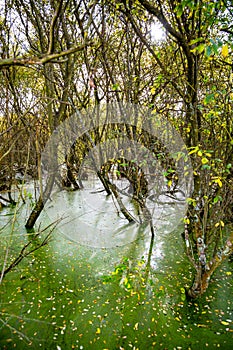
point(204, 160)
point(169, 183)
point(217, 224)
point(177, 319)
point(225, 323)
point(152, 90)
point(222, 223)
point(136, 326)
point(199, 153)
point(187, 221)
point(194, 150)
point(98, 331)
point(228, 273)
point(218, 181)
point(225, 51)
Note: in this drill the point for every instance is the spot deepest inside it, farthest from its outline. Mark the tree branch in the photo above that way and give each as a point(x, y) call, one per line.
point(21, 61)
point(150, 49)
point(162, 19)
point(52, 27)
point(24, 252)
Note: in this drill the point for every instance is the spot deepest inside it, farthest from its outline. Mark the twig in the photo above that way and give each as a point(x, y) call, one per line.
point(28, 61)
point(23, 253)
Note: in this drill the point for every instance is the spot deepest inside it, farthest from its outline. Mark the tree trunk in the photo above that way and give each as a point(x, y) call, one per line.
point(204, 273)
point(200, 284)
point(44, 195)
point(40, 203)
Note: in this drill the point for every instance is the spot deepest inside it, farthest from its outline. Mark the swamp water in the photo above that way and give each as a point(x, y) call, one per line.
point(115, 291)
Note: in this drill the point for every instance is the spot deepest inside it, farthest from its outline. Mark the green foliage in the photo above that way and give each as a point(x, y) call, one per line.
point(132, 276)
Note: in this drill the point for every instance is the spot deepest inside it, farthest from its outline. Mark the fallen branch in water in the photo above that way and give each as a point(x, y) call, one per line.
point(25, 252)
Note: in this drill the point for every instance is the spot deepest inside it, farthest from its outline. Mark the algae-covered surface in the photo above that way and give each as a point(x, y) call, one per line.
point(70, 295)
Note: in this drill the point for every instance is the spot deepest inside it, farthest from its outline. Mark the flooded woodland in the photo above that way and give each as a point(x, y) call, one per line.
point(116, 175)
point(127, 293)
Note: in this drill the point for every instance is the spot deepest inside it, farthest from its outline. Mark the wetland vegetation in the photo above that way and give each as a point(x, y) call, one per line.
point(116, 174)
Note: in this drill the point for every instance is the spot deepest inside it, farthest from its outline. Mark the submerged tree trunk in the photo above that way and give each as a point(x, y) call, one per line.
point(205, 271)
point(52, 165)
point(40, 203)
point(200, 283)
point(123, 209)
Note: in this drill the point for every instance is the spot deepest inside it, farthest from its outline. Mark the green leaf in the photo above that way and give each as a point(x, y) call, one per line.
point(206, 167)
point(209, 98)
point(200, 48)
point(208, 51)
point(115, 87)
point(194, 41)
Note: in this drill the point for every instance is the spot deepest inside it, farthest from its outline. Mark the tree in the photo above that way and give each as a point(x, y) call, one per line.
point(55, 73)
point(191, 28)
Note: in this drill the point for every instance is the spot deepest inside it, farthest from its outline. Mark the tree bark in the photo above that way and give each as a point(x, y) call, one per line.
point(40, 203)
point(204, 273)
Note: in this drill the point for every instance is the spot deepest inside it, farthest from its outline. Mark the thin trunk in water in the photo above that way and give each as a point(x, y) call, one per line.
point(40, 203)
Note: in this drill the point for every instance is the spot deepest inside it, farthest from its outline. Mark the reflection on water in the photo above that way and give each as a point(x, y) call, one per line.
point(92, 218)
